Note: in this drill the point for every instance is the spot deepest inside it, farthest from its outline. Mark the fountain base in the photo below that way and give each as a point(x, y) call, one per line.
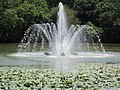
point(46, 53)
point(62, 54)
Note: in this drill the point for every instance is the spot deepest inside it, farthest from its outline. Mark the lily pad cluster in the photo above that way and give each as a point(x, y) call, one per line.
point(87, 76)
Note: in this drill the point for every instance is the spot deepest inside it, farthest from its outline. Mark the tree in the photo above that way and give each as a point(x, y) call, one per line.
point(17, 15)
point(102, 13)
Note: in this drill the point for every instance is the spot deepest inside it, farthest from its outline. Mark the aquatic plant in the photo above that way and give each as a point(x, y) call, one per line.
point(87, 76)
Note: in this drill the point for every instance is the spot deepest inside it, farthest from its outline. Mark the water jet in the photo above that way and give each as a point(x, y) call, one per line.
point(62, 39)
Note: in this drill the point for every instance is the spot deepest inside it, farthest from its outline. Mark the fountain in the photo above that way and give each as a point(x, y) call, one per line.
point(57, 46)
point(61, 38)
point(69, 62)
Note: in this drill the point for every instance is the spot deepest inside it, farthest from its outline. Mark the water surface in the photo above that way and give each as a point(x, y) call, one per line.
point(9, 56)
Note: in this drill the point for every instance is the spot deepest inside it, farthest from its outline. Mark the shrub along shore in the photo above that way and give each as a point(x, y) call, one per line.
point(84, 76)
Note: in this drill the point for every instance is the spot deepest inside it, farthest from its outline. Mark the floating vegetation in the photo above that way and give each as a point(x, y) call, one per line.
point(87, 76)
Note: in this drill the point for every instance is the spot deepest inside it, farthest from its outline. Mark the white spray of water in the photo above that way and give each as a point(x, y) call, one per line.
point(61, 38)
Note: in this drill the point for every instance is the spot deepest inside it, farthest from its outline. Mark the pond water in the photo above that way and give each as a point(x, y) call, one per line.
point(9, 56)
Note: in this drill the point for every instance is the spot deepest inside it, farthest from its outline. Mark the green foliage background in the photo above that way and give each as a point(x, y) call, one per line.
point(17, 15)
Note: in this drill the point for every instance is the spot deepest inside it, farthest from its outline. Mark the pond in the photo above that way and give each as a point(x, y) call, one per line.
point(9, 56)
point(35, 70)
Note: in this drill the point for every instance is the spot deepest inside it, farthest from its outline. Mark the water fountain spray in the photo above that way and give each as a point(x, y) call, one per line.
point(60, 37)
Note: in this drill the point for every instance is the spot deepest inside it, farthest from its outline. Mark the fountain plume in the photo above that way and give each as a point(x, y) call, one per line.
point(60, 37)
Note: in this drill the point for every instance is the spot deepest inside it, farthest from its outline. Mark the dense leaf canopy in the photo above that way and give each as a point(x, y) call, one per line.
point(17, 15)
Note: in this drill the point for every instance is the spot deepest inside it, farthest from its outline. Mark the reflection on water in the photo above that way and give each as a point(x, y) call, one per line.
point(10, 57)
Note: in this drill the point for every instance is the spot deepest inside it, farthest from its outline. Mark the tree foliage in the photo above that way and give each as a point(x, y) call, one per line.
point(102, 13)
point(17, 15)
